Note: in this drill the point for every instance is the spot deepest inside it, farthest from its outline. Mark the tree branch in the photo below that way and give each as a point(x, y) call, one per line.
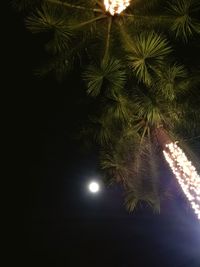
point(107, 39)
point(57, 2)
point(150, 18)
point(88, 22)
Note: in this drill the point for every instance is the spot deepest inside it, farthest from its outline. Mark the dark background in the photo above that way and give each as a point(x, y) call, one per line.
point(61, 224)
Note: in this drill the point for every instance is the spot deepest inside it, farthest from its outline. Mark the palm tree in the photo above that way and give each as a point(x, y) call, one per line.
point(130, 71)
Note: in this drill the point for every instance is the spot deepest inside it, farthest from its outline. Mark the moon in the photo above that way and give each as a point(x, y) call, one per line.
point(93, 187)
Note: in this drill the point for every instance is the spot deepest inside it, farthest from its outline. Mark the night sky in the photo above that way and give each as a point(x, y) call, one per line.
point(64, 225)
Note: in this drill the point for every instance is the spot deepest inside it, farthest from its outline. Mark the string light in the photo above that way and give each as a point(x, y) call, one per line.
point(116, 6)
point(185, 173)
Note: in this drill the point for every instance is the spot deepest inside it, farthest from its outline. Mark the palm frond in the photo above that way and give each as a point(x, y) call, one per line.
point(170, 81)
point(117, 109)
point(132, 199)
point(184, 24)
point(48, 19)
point(147, 109)
point(146, 54)
point(115, 166)
point(108, 77)
point(101, 130)
point(117, 160)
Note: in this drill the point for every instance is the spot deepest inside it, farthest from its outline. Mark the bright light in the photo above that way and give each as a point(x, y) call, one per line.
point(94, 187)
point(116, 6)
point(185, 173)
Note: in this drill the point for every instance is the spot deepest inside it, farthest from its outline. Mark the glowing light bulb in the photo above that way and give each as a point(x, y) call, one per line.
point(116, 6)
point(185, 173)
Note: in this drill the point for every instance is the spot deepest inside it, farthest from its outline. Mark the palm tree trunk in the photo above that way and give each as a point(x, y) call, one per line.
point(161, 136)
point(182, 168)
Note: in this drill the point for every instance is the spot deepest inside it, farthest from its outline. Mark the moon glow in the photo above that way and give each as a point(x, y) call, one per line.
point(93, 187)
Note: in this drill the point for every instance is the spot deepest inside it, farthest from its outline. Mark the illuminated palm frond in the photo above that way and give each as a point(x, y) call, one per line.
point(108, 77)
point(146, 54)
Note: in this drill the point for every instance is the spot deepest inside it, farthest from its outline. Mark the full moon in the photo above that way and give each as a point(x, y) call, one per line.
point(93, 187)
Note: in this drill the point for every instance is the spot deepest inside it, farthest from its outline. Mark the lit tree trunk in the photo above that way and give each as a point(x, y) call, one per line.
point(184, 171)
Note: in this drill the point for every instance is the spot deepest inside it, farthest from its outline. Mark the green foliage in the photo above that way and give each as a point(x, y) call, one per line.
point(121, 166)
point(117, 108)
point(115, 166)
point(146, 54)
point(147, 110)
point(184, 25)
point(116, 159)
point(171, 81)
point(108, 77)
point(137, 195)
point(51, 20)
point(101, 129)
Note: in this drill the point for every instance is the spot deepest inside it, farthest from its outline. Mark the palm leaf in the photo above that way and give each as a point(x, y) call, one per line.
point(147, 109)
point(170, 81)
point(48, 19)
point(117, 108)
point(184, 25)
point(107, 77)
point(132, 199)
point(115, 166)
point(117, 159)
point(101, 130)
point(146, 54)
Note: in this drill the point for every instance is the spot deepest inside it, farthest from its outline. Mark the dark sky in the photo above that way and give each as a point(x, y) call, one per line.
point(63, 225)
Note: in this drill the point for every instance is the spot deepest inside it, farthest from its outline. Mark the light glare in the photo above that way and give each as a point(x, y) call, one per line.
point(116, 6)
